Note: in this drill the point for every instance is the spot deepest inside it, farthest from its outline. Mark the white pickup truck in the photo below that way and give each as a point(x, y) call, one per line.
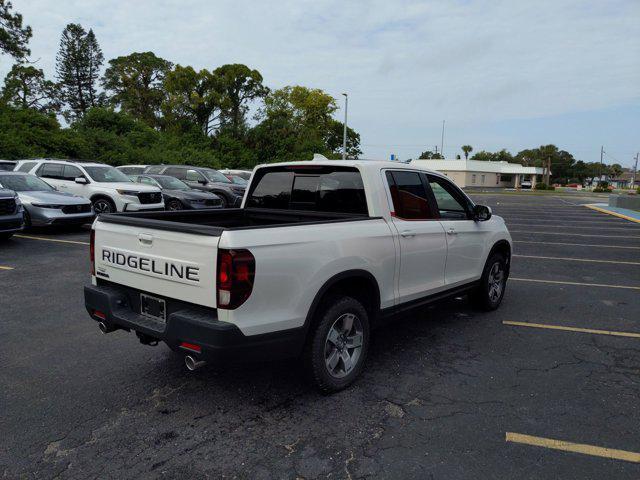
point(317, 254)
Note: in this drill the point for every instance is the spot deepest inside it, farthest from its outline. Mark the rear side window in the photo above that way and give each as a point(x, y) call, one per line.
point(154, 169)
point(25, 167)
point(177, 172)
point(71, 173)
point(314, 188)
point(51, 170)
point(409, 196)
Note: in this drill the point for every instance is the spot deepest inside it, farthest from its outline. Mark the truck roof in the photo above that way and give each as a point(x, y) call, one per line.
point(362, 164)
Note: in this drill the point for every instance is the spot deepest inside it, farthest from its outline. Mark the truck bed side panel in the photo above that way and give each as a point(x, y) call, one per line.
point(294, 262)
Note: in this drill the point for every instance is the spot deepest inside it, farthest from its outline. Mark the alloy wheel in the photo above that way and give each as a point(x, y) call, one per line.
point(496, 281)
point(102, 206)
point(343, 345)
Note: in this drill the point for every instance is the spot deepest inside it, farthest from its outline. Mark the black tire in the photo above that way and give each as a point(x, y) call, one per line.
point(174, 204)
point(5, 236)
point(488, 295)
point(103, 205)
point(27, 220)
point(335, 312)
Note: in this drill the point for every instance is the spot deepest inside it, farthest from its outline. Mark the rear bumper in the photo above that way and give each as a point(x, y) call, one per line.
point(190, 324)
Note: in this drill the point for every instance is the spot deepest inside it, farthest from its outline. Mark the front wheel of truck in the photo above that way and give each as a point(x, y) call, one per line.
point(338, 345)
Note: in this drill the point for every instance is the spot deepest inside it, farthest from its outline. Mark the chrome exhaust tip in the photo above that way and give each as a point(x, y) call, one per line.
point(193, 364)
point(104, 328)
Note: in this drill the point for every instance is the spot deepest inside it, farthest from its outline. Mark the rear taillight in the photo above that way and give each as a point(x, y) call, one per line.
point(236, 271)
point(92, 251)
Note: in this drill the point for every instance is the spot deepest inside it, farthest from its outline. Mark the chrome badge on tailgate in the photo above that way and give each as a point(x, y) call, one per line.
point(151, 265)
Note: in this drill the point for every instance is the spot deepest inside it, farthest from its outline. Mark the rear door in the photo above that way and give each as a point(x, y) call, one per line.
point(169, 264)
point(466, 238)
point(52, 173)
point(423, 248)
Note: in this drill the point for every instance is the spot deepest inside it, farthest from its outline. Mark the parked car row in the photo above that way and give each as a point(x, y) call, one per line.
point(42, 192)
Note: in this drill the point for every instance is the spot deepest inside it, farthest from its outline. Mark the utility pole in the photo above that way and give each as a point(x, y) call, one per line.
point(436, 150)
point(548, 171)
point(344, 133)
point(635, 172)
point(442, 141)
point(600, 171)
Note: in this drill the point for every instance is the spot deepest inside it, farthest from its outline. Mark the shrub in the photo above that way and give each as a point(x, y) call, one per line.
point(544, 186)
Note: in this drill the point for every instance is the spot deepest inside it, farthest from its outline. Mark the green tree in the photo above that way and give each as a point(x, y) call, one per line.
point(615, 170)
point(335, 138)
point(13, 36)
point(26, 87)
point(562, 162)
point(467, 149)
point(193, 98)
point(429, 155)
point(297, 122)
point(135, 82)
point(78, 68)
point(500, 156)
point(240, 85)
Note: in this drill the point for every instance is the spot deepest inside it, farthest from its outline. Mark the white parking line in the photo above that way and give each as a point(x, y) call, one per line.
point(578, 244)
point(509, 224)
point(573, 259)
point(576, 234)
point(559, 282)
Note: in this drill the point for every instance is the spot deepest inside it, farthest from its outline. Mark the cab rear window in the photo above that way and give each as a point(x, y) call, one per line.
point(314, 188)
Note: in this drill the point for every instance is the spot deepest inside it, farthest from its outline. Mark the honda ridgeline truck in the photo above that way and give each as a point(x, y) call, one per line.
point(318, 252)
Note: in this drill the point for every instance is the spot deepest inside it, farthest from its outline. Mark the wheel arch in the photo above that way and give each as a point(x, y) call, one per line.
point(359, 284)
point(503, 247)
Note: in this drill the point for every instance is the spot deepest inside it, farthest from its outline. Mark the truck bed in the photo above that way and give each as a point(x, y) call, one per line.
point(214, 222)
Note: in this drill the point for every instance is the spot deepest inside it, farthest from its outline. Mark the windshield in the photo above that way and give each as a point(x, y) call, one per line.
point(238, 181)
point(106, 174)
point(24, 183)
point(171, 183)
point(215, 176)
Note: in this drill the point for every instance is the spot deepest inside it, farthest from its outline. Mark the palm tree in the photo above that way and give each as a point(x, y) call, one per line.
point(467, 149)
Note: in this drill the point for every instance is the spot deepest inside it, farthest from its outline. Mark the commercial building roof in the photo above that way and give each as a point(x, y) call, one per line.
point(477, 166)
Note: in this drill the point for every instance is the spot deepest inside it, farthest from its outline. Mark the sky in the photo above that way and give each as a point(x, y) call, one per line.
point(511, 74)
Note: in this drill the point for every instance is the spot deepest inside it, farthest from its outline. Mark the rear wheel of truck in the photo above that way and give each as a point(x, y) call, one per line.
point(338, 345)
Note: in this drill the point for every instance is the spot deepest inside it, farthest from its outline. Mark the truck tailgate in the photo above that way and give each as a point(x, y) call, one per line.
point(170, 264)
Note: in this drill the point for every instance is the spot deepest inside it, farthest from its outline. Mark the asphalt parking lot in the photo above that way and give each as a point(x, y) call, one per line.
point(548, 386)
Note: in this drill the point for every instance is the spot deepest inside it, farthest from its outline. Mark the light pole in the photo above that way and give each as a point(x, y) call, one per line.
point(344, 133)
point(442, 141)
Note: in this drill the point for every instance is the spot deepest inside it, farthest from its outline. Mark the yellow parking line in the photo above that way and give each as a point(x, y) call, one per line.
point(579, 244)
point(572, 329)
point(629, 287)
point(30, 237)
point(573, 447)
point(572, 259)
point(5, 268)
point(615, 214)
point(575, 234)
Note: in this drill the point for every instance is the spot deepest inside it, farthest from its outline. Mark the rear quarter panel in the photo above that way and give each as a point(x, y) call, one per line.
point(294, 262)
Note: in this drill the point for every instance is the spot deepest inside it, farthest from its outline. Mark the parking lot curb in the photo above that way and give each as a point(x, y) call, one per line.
point(611, 212)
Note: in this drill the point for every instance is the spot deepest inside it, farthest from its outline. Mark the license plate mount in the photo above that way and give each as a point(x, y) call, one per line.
point(153, 307)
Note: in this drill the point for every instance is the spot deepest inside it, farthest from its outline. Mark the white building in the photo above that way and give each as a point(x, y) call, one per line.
point(476, 173)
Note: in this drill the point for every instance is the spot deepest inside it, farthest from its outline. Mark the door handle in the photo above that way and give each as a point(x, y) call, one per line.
point(145, 239)
point(451, 231)
point(407, 234)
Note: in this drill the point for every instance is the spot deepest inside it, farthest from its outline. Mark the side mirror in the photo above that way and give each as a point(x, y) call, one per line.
point(81, 180)
point(481, 213)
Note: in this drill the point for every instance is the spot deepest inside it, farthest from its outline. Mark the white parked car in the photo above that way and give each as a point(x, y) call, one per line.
point(109, 189)
point(318, 252)
point(243, 174)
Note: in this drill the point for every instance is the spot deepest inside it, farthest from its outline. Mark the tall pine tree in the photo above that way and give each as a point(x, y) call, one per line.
point(78, 69)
